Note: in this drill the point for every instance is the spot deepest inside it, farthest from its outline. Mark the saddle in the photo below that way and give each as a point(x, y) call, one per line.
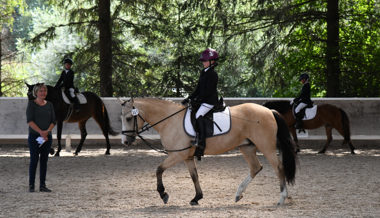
point(81, 98)
point(217, 120)
point(307, 113)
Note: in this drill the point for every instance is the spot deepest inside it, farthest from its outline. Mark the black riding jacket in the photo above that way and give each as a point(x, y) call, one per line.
point(304, 96)
point(66, 80)
point(206, 90)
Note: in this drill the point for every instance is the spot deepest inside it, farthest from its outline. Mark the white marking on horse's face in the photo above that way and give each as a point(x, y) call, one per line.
point(126, 120)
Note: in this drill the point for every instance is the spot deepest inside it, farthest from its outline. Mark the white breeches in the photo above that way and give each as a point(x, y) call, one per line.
point(300, 107)
point(72, 92)
point(203, 109)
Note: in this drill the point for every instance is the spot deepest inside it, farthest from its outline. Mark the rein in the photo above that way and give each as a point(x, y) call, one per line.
point(147, 127)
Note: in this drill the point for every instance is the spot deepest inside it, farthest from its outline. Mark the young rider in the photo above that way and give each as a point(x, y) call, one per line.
point(66, 80)
point(206, 95)
point(303, 100)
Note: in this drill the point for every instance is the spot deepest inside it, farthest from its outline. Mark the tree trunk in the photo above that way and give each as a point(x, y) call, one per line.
point(332, 52)
point(105, 47)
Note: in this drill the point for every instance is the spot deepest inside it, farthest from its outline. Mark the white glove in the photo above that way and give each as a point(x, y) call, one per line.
point(40, 140)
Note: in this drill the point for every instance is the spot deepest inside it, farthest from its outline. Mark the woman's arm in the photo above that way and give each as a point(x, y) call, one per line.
point(34, 126)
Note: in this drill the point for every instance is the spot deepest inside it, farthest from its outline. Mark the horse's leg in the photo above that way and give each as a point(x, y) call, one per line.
point(83, 134)
point(102, 124)
point(328, 129)
point(295, 138)
point(108, 144)
point(170, 161)
point(351, 147)
point(249, 154)
point(59, 136)
point(346, 140)
point(194, 176)
point(273, 159)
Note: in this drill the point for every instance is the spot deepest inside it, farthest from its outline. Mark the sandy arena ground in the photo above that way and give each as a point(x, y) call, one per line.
point(337, 184)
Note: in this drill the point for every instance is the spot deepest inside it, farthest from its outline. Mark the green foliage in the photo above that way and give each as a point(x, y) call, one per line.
point(45, 61)
point(263, 45)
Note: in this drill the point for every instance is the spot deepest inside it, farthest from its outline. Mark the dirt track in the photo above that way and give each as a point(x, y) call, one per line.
point(337, 184)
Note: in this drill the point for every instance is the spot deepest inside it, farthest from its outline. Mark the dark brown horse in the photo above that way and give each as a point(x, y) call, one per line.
point(327, 115)
point(94, 108)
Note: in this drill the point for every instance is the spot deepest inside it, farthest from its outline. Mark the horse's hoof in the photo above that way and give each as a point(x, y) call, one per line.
point(298, 150)
point(321, 151)
point(237, 198)
point(51, 152)
point(57, 154)
point(107, 153)
point(165, 198)
point(353, 152)
point(75, 153)
point(193, 203)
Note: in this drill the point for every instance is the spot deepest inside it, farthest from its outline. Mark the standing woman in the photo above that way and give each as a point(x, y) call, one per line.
point(41, 120)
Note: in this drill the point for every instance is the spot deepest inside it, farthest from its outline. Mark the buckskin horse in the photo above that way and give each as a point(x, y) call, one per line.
point(254, 127)
point(94, 108)
point(327, 115)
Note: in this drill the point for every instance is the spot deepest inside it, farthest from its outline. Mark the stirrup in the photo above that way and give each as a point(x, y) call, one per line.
point(301, 130)
point(195, 142)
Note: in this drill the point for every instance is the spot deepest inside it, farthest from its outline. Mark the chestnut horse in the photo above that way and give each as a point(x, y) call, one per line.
point(254, 127)
point(327, 115)
point(94, 108)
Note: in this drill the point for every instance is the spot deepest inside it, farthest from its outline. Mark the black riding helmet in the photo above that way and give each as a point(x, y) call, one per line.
point(68, 61)
point(303, 76)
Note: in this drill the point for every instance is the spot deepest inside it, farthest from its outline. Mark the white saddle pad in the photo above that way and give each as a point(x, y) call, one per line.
point(80, 96)
point(222, 119)
point(310, 113)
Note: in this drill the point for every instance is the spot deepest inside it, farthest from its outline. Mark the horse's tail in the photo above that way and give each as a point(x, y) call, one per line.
point(286, 148)
point(345, 125)
point(107, 121)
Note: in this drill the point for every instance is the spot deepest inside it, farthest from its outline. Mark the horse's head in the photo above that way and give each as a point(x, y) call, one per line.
point(30, 90)
point(282, 106)
point(131, 121)
point(52, 95)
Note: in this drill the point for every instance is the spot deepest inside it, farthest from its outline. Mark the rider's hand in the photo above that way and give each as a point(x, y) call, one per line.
point(185, 101)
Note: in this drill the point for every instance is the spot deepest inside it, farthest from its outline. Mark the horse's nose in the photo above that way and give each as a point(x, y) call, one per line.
point(130, 140)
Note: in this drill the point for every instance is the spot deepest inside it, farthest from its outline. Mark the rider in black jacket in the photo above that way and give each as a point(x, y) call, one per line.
point(206, 95)
point(303, 100)
point(66, 80)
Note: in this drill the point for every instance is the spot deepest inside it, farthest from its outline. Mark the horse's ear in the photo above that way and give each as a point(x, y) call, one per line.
point(119, 100)
point(27, 84)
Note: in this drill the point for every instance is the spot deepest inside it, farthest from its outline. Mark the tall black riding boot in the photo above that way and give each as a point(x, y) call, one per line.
point(299, 122)
point(76, 104)
point(195, 142)
point(199, 151)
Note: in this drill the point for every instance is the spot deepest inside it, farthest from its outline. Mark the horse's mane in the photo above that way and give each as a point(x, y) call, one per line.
point(159, 99)
point(281, 106)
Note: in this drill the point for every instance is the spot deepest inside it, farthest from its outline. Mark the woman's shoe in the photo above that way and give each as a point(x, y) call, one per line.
point(44, 189)
point(31, 188)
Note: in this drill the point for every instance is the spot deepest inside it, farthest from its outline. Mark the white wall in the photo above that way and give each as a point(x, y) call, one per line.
point(364, 115)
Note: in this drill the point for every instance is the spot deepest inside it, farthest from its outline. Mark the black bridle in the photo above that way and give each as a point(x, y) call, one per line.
point(135, 130)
